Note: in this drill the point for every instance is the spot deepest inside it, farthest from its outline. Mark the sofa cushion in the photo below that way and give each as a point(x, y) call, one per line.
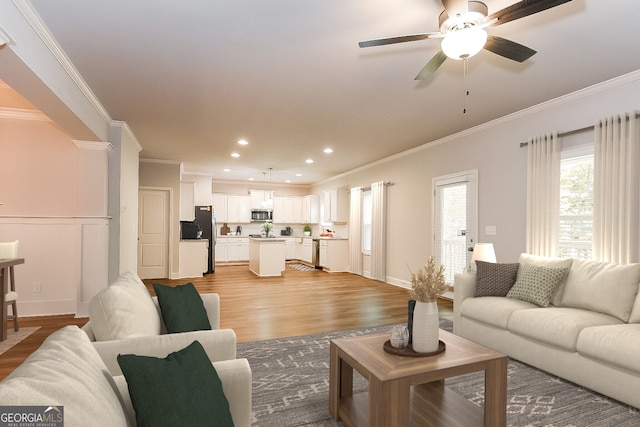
point(536, 284)
point(602, 287)
point(494, 311)
point(556, 326)
point(494, 279)
point(124, 310)
point(181, 389)
point(617, 345)
point(66, 371)
point(526, 258)
point(182, 308)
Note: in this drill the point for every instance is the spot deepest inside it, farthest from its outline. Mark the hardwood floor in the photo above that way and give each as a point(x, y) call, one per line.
point(299, 303)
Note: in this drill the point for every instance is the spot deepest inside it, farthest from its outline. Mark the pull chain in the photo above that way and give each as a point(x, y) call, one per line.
point(466, 91)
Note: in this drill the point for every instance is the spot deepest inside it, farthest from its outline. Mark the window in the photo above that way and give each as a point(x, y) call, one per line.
point(576, 204)
point(366, 221)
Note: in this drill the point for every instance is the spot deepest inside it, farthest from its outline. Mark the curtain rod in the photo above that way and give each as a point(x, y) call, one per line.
point(386, 184)
point(571, 132)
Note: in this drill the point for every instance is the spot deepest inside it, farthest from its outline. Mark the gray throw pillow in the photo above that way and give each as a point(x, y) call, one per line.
point(536, 284)
point(495, 280)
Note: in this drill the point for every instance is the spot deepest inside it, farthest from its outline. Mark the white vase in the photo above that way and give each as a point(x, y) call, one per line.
point(426, 327)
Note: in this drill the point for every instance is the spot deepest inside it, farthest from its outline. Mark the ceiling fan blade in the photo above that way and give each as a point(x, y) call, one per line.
point(398, 39)
point(432, 66)
point(508, 49)
point(455, 7)
point(522, 9)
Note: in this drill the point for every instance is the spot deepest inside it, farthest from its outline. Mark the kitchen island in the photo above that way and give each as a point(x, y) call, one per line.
point(266, 256)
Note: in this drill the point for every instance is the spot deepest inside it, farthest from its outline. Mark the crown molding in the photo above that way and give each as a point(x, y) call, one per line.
point(124, 126)
point(94, 145)
point(160, 161)
point(33, 19)
point(23, 114)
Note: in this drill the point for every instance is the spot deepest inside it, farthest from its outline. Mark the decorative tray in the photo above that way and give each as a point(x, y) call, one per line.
point(408, 351)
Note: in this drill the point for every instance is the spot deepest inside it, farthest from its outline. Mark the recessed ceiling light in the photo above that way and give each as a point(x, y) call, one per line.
point(243, 142)
point(298, 174)
point(288, 180)
point(309, 161)
point(328, 150)
point(236, 155)
point(227, 170)
point(251, 179)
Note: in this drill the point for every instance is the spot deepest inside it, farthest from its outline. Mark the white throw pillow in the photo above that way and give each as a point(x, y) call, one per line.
point(544, 261)
point(124, 310)
point(603, 287)
point(67, 371)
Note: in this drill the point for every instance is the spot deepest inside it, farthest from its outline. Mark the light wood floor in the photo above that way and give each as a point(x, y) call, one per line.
point(299, 303)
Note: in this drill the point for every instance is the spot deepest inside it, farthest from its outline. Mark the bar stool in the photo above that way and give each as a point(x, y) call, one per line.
point(9, 250)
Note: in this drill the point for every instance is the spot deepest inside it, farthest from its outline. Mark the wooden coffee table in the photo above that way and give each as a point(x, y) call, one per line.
point(410, 391)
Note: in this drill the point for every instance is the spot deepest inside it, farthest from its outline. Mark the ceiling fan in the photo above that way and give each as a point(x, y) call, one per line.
point(462, 30)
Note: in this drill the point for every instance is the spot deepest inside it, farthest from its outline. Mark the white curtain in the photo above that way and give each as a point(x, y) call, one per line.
point(615, 196)
point(355, 231)
point(543, 195)
point(378, 232)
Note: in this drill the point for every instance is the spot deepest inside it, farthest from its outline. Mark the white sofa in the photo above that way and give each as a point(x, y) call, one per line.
point(588, 334)
point(67, 370)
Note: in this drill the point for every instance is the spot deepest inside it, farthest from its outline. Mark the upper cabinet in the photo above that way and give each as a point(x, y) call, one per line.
point(187, 204)
point(283, 210)
point(309, 209)
point(219, 202)
point(261, 199)
point(336, 205)
point(238, 209)
point(231, 208)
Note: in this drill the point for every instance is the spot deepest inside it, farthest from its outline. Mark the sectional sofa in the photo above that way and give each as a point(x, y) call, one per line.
point(577, 319)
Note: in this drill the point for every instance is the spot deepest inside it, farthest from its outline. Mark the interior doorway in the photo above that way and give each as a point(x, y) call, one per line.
point(455, 221)
point(153, 233)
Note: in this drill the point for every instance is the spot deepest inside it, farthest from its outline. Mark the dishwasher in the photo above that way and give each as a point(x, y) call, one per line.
point(315, 253)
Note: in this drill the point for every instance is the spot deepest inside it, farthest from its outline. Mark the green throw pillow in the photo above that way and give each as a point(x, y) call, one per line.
point(182, 308)
point(536, 284)
point(182, 389)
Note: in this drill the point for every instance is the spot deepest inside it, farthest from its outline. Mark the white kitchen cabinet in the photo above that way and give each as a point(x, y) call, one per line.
point(219, 202)
point(193, 257)
point(290, 248)
point(283, 210)
point(187, 204)
point(334, 254)
point(222, 250)
point(336, 205)
point(260, 199)
point(238, 209)
point(238, 248)
point(304, 249)
point(309, 212)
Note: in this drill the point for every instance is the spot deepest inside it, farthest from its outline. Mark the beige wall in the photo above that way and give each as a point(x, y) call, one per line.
point(493, 149)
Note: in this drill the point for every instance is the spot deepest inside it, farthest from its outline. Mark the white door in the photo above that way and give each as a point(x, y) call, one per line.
point(455, 221)
point(153, 238)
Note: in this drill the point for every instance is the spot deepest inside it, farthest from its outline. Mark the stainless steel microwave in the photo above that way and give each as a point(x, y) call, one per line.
point(261, 215)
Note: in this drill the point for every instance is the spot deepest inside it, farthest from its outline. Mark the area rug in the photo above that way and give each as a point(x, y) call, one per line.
point(14, 337)
point(301, 267)
point(291, 388)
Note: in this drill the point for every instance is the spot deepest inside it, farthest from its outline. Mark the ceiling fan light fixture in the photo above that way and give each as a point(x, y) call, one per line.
point(464, 43)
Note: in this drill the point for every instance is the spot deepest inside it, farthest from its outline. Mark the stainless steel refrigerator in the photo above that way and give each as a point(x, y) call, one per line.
point(206, 219)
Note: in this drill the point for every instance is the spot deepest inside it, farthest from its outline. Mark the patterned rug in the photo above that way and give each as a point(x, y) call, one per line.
point(14, 338)
point(301, 267)
point(291, 387)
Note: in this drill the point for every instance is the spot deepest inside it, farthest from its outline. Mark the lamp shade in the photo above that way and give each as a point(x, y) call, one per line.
point(465, 43)
point(483, 252)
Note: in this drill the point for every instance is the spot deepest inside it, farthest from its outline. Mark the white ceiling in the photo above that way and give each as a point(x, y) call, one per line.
point(191, 77)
